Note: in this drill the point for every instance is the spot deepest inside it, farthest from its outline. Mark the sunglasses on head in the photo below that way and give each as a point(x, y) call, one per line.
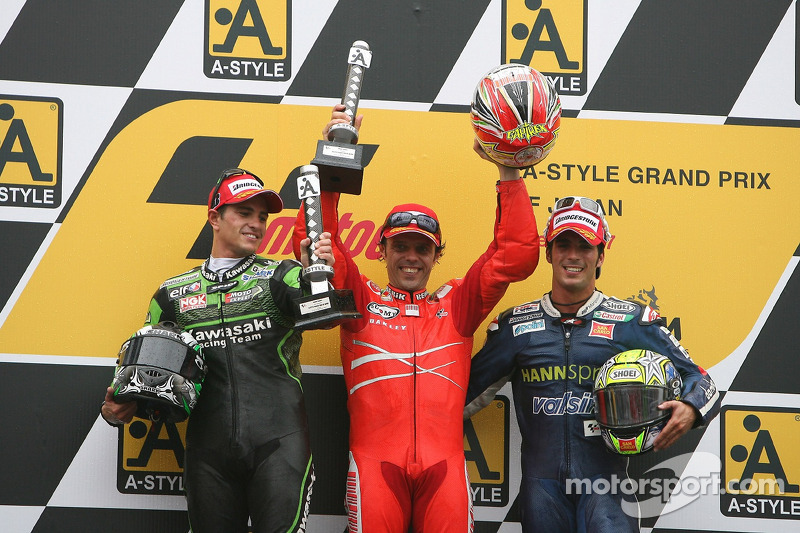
point(229, 173)
point(586, 203)
point(404, 218)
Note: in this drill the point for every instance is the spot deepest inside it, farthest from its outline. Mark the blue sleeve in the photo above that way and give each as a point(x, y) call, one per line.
point(494, 364)
point(698, 388)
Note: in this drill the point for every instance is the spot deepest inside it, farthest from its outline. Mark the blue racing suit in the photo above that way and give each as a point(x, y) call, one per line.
point(552, 361)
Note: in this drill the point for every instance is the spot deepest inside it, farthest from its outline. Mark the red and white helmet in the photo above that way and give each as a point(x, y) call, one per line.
point(516, 115)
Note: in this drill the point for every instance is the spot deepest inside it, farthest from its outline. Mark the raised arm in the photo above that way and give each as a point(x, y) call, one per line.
point(512, 255)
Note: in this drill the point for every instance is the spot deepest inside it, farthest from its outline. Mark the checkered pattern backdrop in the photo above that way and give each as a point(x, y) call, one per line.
point(731, 62)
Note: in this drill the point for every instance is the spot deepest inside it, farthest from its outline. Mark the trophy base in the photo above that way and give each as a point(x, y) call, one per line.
point(340, 166)
point(328, 308)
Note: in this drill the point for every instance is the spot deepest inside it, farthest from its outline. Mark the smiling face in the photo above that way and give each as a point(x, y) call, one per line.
point(238, 228)
point(575, 263)
point(409, 260)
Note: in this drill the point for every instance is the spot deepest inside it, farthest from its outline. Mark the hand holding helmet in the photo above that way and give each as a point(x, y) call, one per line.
point(162, 369)
point(516, 115)
point(628, 391)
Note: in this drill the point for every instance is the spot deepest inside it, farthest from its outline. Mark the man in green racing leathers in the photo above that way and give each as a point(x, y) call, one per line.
point(247, 443)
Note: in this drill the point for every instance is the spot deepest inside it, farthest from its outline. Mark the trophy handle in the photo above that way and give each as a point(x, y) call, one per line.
point(323, 307)
point(358, 62)
point(340, 158)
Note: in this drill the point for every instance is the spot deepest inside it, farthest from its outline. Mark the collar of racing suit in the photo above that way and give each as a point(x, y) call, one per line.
point(591, 304)
point(391, 293)
point(231, 273)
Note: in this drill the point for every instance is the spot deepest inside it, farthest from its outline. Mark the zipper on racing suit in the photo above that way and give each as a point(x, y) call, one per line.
point(567, 328)
point(229, 357)
point(414, 389)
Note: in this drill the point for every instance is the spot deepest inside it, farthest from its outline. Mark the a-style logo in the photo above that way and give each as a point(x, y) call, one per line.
point(248, 39)
point(487, 453)
point(150, 458)
point(31, 132)
point(760, 463)
point(550, 36)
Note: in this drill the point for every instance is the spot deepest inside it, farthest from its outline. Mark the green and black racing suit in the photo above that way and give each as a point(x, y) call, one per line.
point(247, 444)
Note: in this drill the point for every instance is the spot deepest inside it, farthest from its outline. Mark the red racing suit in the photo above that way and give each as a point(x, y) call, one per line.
point(406, 367)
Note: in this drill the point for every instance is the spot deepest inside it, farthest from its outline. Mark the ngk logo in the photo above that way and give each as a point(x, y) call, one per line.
point(193, 302)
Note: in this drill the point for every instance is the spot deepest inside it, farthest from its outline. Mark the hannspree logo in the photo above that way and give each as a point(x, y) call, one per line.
point(550, 36)
point(30, 151)
point(151, 457)
point(760, 463)
point(248, 39)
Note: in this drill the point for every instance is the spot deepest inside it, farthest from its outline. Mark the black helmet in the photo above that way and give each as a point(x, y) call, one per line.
point(162, 368)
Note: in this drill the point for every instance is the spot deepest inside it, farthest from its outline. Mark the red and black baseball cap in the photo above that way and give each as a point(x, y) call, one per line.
point(412, 218)
point(236, 185)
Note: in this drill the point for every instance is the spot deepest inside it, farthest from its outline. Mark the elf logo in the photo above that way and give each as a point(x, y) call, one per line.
point(487, 455)
point(248, 39)
point(760, 464)
point(150, 458)
point(550, 36)
point(31, 132)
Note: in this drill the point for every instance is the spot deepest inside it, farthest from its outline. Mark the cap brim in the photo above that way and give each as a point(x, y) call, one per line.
point(272, 199)
point(393, 232)
point(587, 235)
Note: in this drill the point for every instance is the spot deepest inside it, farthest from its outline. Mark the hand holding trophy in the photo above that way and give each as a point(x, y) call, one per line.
point(324, 306)
point(339, 159)
point(337, 167)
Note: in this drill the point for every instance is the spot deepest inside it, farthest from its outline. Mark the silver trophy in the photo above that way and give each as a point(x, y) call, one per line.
point(340, 159)
point(324, 306)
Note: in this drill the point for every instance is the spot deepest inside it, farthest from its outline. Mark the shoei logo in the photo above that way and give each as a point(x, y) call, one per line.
point(550, 36)
point(30, 151)
point(248, 39)
point(626, 374)
point(151, 457)
point(760, 463)
point(487, 455)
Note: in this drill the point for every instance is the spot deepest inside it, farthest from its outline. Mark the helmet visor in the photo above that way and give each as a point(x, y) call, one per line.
point(162, 352)
point(622, 406)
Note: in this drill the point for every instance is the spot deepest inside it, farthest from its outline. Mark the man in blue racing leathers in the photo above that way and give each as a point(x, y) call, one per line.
point(551, 350)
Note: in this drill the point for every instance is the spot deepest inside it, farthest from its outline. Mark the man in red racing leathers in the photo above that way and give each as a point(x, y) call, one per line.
point(406, 362)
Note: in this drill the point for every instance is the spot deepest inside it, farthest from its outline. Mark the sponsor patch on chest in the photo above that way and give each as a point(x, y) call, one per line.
point(600, 329)
point(528, 327)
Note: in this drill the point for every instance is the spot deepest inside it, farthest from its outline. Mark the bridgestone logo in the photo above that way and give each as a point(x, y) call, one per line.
point(573, 216)
point(239, 185)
